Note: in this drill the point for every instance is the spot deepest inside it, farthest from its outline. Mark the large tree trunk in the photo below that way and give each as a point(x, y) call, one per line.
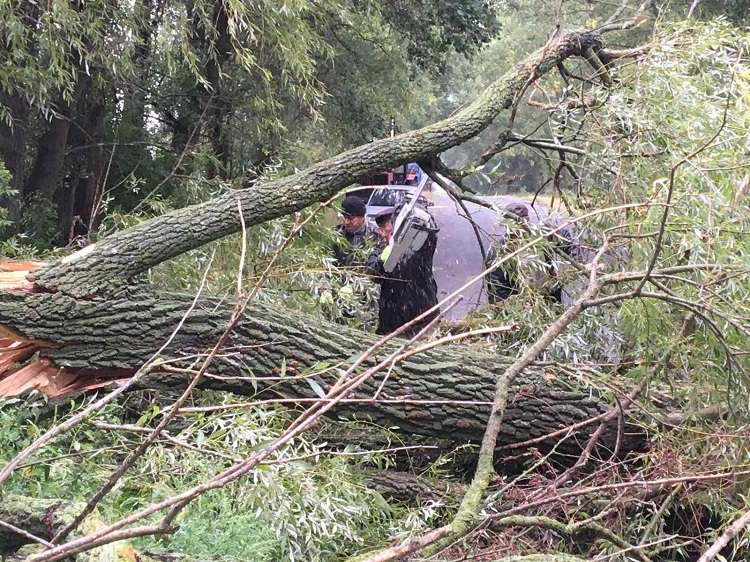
point(47, 170)
point(219, 105)
point(442, 393)
point(85, 139)
point(13, 149)
point(14, 128)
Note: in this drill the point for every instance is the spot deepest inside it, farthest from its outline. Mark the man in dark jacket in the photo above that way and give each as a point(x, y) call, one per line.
point(503, 282)
point(410, 288)
point(355, 230)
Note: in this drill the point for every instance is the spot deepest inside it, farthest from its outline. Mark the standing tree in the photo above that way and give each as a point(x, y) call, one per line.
point(101, 99)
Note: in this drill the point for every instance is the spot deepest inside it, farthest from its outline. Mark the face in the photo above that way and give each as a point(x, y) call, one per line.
point(352, 223)
point(386, 228)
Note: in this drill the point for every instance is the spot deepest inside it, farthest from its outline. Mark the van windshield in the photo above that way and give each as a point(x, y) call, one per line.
point(387, 197)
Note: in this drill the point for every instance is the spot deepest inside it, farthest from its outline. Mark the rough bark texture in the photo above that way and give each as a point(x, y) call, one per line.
point(219, 105)
point(13, 133)
point(135, 250)
point(411, 489)
point(12, 139)
point(47, 170)
point(40, 517)
point(43, 518)
point(455, 386)
point(78, 193)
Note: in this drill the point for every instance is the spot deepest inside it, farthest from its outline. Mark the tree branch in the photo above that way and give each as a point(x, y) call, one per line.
point(133, 251)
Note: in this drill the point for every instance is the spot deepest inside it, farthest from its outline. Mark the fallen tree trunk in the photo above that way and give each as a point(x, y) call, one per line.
point(443, 393)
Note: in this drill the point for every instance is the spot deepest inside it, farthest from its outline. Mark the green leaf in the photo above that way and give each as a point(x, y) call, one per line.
point(317, 389)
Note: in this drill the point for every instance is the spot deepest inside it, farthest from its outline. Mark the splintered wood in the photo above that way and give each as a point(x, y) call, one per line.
point(20, 370)
point(17, 376)
point(13, 274)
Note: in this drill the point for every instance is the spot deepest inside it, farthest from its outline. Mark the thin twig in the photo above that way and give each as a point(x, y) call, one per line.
point(732, 531)
point(13, 529)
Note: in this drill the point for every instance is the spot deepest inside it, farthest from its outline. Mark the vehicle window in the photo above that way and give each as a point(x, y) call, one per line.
point(387, 197)
point(363, 193)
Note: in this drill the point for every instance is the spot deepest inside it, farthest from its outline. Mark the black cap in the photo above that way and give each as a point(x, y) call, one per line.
point(383, 216)
point(518, 209)
point(353, 206)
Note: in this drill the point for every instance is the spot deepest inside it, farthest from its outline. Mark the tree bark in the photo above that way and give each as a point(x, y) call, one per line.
point(443, 393)
point(12, 149)
point(408, 488)
point(219, 104)
point(43, 518)
point(13, 135)
point(135, 250)
point(86, 155)
point(47, 170)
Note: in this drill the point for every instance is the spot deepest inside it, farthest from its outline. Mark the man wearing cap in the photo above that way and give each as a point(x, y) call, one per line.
point(355, 229)
point(502, 283)
point(410, 288)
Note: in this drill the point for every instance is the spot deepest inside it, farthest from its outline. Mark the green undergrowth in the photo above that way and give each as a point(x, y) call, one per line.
point(301, 504)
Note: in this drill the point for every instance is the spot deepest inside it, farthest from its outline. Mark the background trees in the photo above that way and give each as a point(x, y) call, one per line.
point(104, 103)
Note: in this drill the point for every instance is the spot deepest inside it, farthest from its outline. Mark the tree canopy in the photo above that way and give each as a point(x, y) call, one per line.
point(105, 103)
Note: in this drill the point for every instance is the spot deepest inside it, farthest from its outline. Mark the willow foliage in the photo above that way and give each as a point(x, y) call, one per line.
point(673, 142)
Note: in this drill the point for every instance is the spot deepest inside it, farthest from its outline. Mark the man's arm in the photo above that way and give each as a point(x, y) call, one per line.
point(375, 262)
point(501, 283)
